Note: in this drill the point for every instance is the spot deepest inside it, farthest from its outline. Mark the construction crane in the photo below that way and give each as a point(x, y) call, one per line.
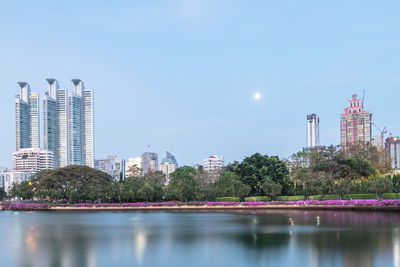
point(382, 133)
point(362, 102)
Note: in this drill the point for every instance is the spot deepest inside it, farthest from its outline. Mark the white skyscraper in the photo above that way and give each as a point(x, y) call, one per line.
point(87, 127)
point(62, 127)
point(312, 131)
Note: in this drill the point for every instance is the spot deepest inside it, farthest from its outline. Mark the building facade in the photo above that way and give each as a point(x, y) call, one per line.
point(393, 151)
point(149, 162)
point(112, 165)
point(355, 123)
point(33, 160)
point(168, 165)
point(214, 165)
point(312, 131)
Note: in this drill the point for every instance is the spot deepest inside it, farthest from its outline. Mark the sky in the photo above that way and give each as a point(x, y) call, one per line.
point(180, 75)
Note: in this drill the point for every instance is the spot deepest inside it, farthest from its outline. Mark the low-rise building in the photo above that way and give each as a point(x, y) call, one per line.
point(112, 165)
point(15, 177)
point(33, 160)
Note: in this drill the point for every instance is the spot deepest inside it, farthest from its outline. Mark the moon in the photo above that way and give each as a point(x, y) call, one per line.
point(257, 96)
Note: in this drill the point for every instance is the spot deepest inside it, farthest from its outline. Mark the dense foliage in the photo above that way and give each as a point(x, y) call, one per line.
point(324, 172)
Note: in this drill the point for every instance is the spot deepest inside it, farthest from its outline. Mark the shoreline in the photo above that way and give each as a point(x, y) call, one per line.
point(220, 208)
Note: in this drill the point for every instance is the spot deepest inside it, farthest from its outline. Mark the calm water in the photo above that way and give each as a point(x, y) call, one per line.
point(275, 238)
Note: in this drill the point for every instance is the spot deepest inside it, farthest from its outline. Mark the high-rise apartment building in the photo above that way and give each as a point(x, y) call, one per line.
point(87, 127)
point(27, 118)
point(312, 131)
point(33, 159)
point(355, 123)
point(50, 120)
point(393, 151)
point(149, 162)
point(214, 165)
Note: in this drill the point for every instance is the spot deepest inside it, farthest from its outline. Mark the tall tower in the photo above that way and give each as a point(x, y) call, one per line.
point(27, 118)
point(355, 123)
point(312, 131)
point(22, 117)
point(74, 129)
point(50, 140)
point(88, 127)
point(62, 127)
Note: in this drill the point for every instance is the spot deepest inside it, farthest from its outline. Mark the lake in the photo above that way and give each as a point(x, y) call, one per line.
point(239, 238)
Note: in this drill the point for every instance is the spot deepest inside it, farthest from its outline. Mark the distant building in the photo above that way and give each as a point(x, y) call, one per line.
point(168, 165)
point(2, 176)
point(355, 124)
point(15, 177)
point(134, 163)
point(214, 164)
point(376, 141)
point(393, 151)
point(33, 160)
point(312, 131)
point(112, 165)
point(149, 162)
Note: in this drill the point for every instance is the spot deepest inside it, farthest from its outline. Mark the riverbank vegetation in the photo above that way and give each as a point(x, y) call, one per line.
point(323, 174)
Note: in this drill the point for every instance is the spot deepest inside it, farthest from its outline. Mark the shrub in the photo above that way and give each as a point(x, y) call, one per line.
point(257, 199)
point(289, 198)
point(222, 199)
point(359, 196)
point(391, 196)
point(324, 197)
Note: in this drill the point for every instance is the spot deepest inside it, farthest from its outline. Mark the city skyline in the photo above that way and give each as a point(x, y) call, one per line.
point(182, 79)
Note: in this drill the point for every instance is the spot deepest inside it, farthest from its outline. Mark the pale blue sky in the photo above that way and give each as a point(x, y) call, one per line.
point(180, 75)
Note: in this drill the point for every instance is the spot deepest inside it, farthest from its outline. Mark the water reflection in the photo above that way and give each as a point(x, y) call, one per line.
point(257, 238)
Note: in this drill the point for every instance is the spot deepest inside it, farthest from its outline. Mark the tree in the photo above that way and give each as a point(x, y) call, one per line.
point(271, 188)
point(182, 184)
point(23, 190)
point(2, 193)
point(379, 186)
point(229, 185)
point(82, 182)
point(254, 170)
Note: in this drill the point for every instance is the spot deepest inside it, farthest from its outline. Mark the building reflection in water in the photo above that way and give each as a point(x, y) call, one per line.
point(396, 247)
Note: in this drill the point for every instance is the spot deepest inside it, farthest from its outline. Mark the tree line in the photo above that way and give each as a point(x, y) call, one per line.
point(327, 170)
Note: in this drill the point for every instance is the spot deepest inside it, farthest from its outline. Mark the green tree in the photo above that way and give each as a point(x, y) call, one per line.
point(271, 188)
point(23, 190)
point(2, 193)
point(88, 183)
point(229, 185)
point(182, 184)
point(379, 186)
point(254, 170)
